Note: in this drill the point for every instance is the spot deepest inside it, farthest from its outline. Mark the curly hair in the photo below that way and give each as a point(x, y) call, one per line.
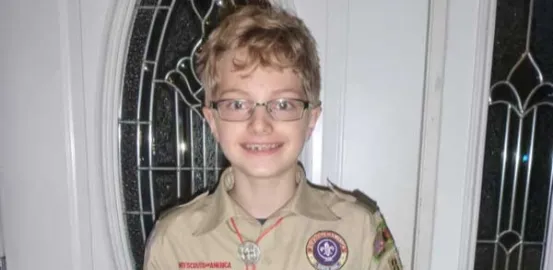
point(272, 37)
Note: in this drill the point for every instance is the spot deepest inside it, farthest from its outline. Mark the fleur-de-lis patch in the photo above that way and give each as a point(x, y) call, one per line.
point(327, 250)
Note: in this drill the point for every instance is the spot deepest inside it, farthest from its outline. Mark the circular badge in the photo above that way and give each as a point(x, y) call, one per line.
point(249, 252)
point(327, 250)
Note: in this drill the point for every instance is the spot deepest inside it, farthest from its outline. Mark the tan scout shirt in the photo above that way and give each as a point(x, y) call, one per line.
point(317, 229)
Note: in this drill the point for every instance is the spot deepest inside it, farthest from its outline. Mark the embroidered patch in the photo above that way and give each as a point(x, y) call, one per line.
point(205, 265)
point(394, 263)
point(327, 250)
point(383, 240)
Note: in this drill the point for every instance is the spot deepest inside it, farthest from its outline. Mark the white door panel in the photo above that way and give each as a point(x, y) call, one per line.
point(373, 86)
point(383, 108)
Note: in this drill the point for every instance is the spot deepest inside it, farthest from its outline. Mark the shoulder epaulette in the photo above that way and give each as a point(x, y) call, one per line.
point(356, 196)
point(365, 200)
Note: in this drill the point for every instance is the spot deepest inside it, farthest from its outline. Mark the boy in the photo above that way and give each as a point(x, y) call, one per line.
point(260, 71)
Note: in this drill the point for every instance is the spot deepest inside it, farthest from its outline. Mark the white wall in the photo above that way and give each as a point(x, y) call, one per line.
point(50, 195)
point(36, 159)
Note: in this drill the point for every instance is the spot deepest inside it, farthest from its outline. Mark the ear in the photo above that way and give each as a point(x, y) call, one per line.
point(209, 116)
point(313, 118)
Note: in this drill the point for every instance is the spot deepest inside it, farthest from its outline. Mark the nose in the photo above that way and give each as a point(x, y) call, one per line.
point(261, 121)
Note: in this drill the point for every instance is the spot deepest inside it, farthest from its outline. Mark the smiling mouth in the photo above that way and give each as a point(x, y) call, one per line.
point(261, 147)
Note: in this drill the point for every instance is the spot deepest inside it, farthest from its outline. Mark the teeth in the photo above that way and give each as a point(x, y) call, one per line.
point(261, 147)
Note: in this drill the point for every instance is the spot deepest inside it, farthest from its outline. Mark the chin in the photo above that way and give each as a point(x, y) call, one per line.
point(262, 173)
point(264, 168)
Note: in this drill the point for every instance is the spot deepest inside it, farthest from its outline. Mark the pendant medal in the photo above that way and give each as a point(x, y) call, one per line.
point(249, 252)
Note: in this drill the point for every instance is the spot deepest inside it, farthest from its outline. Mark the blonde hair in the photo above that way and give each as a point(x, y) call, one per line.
point(271, 37)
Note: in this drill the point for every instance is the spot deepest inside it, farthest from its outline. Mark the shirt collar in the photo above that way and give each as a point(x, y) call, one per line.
point(307, 201)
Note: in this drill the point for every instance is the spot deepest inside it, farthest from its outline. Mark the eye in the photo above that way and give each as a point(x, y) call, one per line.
point(236, 104)
point(285, 105)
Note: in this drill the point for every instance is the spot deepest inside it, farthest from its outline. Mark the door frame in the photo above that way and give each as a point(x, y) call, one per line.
point(460, 34)
point(458, 172)
point(116, 56)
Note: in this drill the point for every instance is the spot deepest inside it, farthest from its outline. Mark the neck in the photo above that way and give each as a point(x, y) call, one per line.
point(261, 197)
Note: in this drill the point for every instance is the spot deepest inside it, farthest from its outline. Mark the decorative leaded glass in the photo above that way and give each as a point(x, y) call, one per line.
point(167, 152)
point(518, 171)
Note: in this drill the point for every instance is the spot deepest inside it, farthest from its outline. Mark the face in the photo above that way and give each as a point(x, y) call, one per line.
point(260, 147)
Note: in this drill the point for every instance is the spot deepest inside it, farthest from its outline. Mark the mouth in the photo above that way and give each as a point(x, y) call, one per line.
point(261, 148)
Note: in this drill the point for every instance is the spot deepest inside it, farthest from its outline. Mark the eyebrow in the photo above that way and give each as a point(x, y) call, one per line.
point(290, 93)
point(287, 90)
point(275, 92)
point(232, 90)
point(229, 91)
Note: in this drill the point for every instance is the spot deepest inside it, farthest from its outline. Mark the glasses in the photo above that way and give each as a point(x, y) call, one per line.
point(283, 109)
